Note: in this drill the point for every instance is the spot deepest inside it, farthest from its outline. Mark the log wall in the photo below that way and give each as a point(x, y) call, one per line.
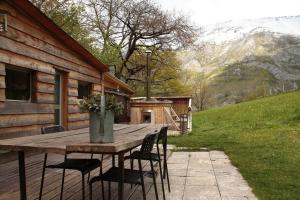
point(28, 45)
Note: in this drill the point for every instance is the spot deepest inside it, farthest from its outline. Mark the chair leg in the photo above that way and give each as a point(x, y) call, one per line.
point(131, 167)
point(83, 186)
point(88, 179)
point(142, 179)
point(167, 173)
point(165, 163)
point(43, 176)
point(102, 182)
point(161, 178)
point(63, 180)
point(91, 191)
point(109, 190)
point(154, 180)
point(62, 184)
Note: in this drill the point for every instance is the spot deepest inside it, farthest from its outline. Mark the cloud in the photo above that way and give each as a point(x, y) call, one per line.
point(204, 12)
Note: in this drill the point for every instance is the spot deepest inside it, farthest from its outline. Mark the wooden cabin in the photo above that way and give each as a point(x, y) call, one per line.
point(162, 110)
point(43, 73)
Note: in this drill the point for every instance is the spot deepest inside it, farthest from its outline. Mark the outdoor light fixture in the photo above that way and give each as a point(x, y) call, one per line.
point(148, 52)
point(3, 22)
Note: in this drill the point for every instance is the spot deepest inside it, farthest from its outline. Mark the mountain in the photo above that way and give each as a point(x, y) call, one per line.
point(231, 30)
point(249, 58)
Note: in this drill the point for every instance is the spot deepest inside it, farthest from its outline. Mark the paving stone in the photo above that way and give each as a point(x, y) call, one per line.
point(196, 172)
point(201, 192)
point(176, 180)
point(180, 153)
point(177, 166)
point(239, 198)
point(199, 166)
point(200, 154)
point(176, 192)
point(205, 179)
point(178, 160)
point(177, 172)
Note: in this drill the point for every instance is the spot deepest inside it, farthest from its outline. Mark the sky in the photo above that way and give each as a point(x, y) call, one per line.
point(204, 12)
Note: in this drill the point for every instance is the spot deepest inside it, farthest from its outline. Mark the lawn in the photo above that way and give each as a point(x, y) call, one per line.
point(261, 137)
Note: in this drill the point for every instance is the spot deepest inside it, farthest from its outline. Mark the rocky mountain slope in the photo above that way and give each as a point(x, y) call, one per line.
point(243, 62)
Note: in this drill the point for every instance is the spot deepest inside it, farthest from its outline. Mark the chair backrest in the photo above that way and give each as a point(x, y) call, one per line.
point(148, 143)
point(163, 136)
point(52, 129)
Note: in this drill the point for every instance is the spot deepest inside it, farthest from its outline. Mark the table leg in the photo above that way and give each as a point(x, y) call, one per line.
point(121, 183)
point(22, 175)
point(113, 160)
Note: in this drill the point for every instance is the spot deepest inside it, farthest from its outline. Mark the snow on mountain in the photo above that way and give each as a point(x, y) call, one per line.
point(232, 30)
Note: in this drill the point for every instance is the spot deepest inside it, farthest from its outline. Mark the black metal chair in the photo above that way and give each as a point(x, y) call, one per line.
point(131, 176)
point(162, 137)
point(84, 166)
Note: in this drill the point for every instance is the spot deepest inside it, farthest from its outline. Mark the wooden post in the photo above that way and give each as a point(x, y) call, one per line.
point(2, 84)
point(102, 84)
point(102, 115)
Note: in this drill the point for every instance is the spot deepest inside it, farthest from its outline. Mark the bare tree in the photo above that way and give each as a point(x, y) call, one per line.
point(131, 26)
point(202, 95)
point(50, 6)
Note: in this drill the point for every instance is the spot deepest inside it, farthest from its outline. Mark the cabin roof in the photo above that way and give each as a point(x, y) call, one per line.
point(32, 11)
point(170, 97)
point(175, 97)
point(122, 85)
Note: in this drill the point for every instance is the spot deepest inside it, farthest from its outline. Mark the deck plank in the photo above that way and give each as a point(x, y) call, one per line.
point(9, 182)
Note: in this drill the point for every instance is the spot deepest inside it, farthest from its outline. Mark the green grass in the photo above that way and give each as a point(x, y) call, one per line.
point(261, 137)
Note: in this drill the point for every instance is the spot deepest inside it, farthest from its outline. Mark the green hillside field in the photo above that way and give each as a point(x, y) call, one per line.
point(262, 139)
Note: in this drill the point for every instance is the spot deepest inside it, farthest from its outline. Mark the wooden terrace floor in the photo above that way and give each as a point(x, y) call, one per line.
point(9, 180)
point(193, 176)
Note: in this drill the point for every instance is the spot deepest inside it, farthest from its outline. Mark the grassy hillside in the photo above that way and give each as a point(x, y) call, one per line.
point(261, 137)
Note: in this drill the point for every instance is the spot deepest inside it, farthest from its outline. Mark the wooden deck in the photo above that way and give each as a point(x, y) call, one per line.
point(9, 180)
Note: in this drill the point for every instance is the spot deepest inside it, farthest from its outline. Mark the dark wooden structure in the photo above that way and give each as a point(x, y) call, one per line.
point(43, 72)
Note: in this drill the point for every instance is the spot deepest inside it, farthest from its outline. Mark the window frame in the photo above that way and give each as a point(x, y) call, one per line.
point(87, 84)
point(21, 69)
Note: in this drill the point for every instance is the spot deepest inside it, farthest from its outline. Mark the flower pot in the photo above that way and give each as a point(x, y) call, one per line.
point(95, 121)
point(101, 132)
point(106, 129)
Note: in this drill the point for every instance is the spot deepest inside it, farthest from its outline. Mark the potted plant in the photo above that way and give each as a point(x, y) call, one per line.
point(101, 110)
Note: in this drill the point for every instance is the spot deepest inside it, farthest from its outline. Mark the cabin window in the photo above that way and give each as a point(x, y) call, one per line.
point(84, 89)
point(18, 83)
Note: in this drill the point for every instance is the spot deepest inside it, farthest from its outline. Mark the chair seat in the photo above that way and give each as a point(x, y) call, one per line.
point(143, 156)
point(82, 165)
point(114, 175)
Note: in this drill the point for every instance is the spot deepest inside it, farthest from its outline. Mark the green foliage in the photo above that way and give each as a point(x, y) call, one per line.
point(68, 16)
point(93, 104)
point(110, 54)
point(70, 21)
point(261, 137)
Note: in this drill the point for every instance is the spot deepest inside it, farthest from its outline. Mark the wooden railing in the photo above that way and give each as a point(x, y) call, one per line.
point(170, 119)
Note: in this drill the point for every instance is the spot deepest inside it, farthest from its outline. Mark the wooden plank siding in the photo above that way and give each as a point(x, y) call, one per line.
point(179, 104)
point(28, 45)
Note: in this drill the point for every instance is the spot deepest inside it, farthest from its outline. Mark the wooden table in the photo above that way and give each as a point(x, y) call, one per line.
point(126, 137)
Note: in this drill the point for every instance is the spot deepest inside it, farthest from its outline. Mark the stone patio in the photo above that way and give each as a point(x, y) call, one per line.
point(205, 176)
